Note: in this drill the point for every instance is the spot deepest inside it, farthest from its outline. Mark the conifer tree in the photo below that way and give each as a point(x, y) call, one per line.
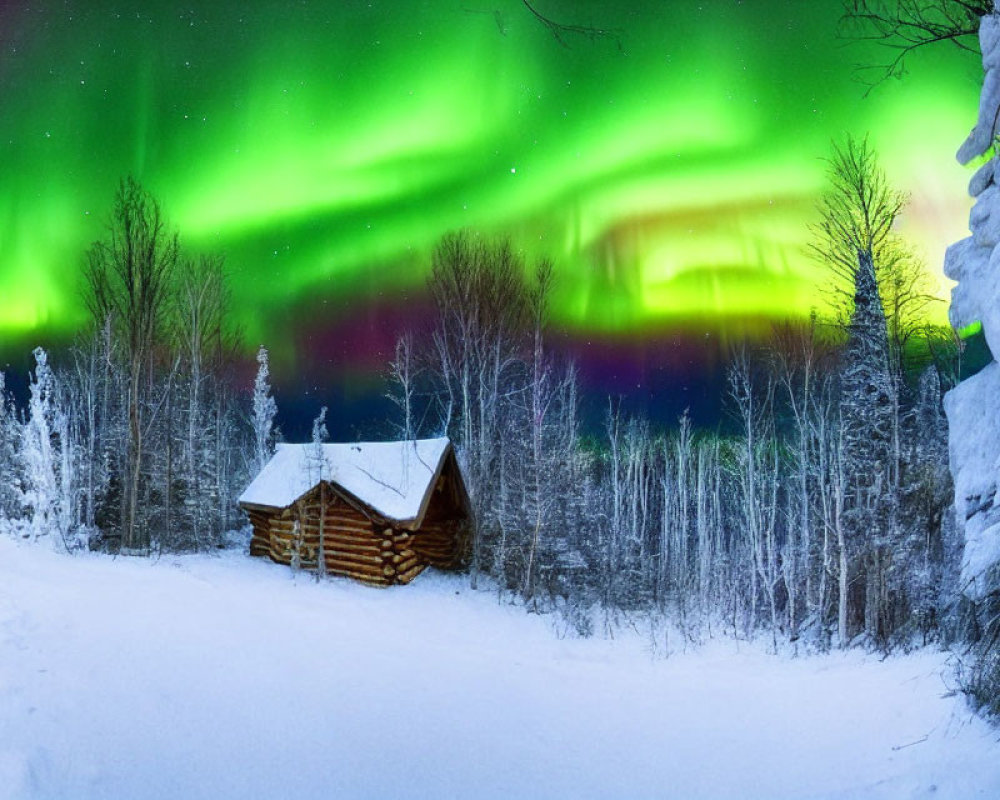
point(264, 411)
point(866, 383)
point(855, 238)
point(9, 472)
point(47, 457)
point(867, 410)
point(318, 474)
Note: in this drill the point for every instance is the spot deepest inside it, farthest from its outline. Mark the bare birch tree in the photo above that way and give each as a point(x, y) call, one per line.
point(480, 294)
point(127, 277)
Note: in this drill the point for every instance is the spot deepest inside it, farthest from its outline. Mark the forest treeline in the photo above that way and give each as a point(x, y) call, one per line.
point(823, 517)
point(136, 441)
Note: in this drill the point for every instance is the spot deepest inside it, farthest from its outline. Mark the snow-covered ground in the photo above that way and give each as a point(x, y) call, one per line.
point(216, 677)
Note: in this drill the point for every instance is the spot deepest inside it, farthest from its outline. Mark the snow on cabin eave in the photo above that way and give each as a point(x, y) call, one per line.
point(414, 522)
point(377, 518)
point(259, 488)
point(264, 509)
point(335, 490)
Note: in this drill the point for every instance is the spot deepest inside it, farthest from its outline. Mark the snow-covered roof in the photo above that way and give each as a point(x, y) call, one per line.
point(393, 478)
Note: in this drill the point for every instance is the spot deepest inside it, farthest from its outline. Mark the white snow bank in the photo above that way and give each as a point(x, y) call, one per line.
point(982, 178)
point(391, 477)
point(971, 406)
point(969, 264)
point(981, 137)
point(974, 432)
point(221, 678)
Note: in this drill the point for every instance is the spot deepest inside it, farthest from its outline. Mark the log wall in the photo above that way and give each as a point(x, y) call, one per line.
point(441, 539)
point(354, 546)
point(359, 546)
point(438, 544)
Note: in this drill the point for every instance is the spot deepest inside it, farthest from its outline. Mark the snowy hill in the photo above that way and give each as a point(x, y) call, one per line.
point(202, 677)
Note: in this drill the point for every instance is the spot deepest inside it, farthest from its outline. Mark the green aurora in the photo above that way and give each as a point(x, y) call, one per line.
point(670, 172)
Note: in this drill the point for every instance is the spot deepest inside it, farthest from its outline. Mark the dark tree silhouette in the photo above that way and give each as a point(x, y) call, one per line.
point(906, 25)
point(562, 30)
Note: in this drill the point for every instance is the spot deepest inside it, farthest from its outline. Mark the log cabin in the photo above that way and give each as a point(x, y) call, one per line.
point(384, 511)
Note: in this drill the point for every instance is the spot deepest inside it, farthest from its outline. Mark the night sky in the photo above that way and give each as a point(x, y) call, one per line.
point(670, 171)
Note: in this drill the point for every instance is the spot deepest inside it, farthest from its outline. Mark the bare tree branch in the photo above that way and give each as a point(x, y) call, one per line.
point(904, 26)
point(560, 30)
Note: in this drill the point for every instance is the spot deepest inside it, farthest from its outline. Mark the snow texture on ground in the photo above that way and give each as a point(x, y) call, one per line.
point(219, 677)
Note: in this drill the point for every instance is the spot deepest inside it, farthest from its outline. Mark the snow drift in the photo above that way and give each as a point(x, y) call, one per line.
point(202, 677)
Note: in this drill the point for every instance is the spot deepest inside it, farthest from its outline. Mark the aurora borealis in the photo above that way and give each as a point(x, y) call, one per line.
point(324, 147)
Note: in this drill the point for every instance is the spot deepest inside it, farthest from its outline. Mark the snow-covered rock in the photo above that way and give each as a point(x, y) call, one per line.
point(973, 407)
point(984, 218)
point(989, 41)
point(974, 434)
point(983, 178)
point(969, 265)
point(981, 138)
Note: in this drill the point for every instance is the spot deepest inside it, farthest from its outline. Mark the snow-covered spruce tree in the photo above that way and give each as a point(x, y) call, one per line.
point(264, 411)
point(318, 475)
point(905, 26)
point(10, 477)
point(867, 407)
point(853, 238)
point(46, 453)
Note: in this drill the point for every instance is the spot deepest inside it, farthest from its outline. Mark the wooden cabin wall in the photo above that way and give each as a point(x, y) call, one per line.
point(359, 547)
point(260, 540)
point(354, 546)
point(442, 539)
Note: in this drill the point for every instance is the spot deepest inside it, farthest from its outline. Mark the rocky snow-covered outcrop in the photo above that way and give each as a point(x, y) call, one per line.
point(973, 407)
